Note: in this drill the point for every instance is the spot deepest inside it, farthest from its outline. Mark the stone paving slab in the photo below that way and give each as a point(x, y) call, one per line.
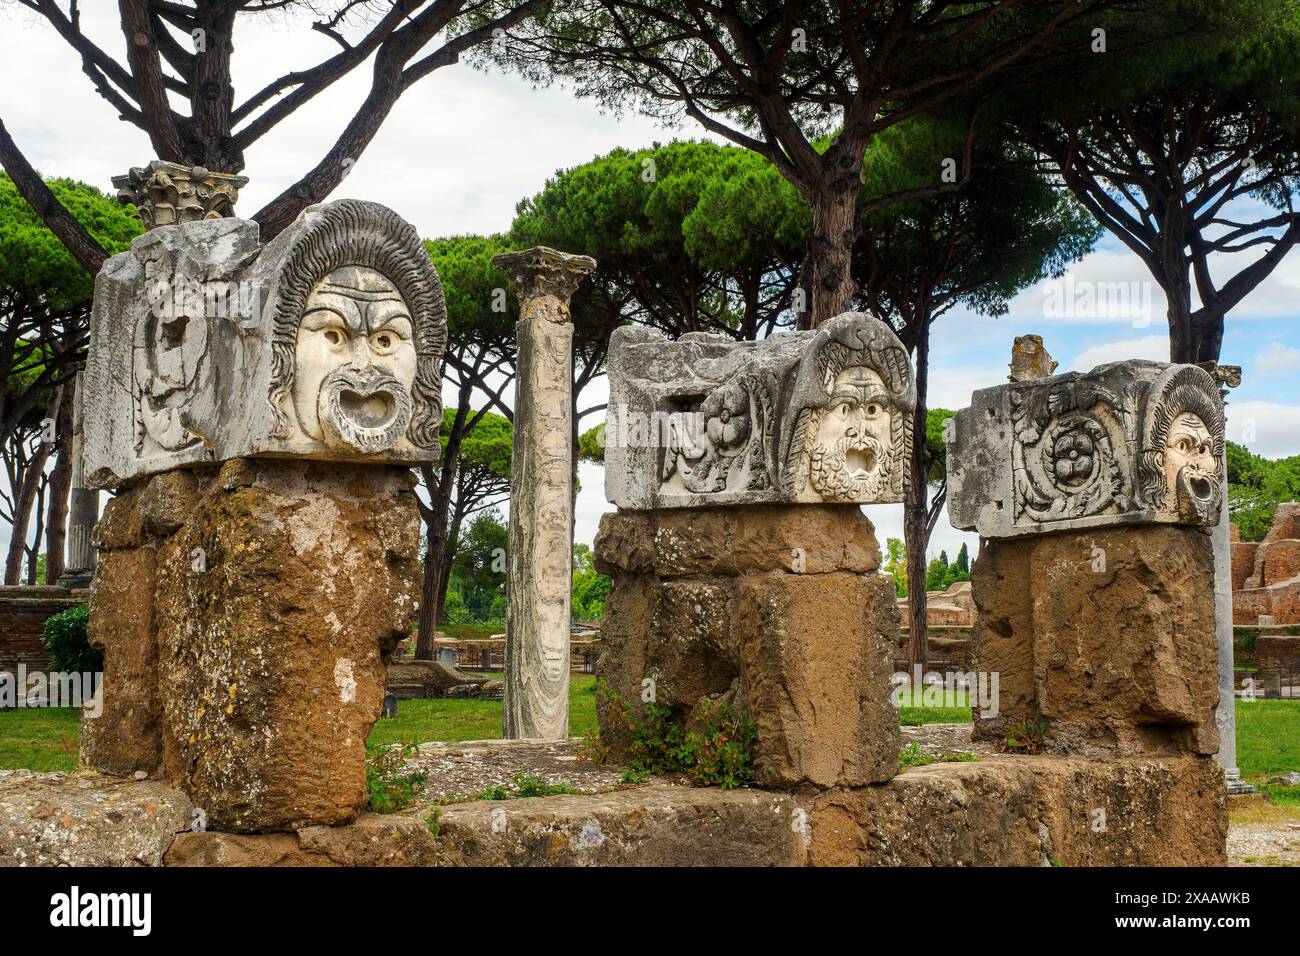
point(462, 771)
point(60, 819)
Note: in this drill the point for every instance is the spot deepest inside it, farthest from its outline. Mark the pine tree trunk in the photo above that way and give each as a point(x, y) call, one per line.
point(56, 523)
point(915, 532)
point(23, 503)
point(830, 248)
point(34, 552)
point(436, 534)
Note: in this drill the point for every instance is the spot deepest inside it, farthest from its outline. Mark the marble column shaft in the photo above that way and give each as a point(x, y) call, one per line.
point(541, 496)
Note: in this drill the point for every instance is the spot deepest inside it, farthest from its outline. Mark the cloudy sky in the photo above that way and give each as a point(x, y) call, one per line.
point(462, 147)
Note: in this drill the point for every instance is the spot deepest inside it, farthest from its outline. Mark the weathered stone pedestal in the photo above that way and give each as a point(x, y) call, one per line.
point(775, 608)
point(1107, 636)
point(1096, 593)
point(246, 615)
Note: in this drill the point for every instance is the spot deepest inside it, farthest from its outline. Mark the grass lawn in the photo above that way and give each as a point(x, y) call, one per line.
point(1268, 731)
point(421, 720)
point(39, 739)
point(468, 632)
point(1268, 743)
point(910, 716)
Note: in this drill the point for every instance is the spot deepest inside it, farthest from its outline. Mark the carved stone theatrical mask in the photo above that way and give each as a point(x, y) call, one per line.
point(1127, 443)
point(354, 362)
point(1181, 464)
point(324, 343)
point(820, 416)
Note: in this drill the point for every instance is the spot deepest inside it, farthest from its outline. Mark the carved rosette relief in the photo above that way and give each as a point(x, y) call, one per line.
point(1064, 451)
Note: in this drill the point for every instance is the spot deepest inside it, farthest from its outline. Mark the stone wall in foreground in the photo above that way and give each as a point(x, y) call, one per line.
point(998, 811)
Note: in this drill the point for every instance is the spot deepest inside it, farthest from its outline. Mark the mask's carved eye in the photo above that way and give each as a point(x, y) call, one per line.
point(874, 410)
point(844, 408)
point(383, 342)
point(334, 336)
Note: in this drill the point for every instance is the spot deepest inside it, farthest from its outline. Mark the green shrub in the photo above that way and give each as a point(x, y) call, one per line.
point(720, 748)
point(69, 646)
point(716, 750)
point(390, 786)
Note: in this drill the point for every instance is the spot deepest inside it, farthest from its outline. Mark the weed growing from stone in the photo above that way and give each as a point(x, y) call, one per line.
point(590, 749)
point(1027, 737)
point(390, 786)
point(715, 746)
point(524, 785)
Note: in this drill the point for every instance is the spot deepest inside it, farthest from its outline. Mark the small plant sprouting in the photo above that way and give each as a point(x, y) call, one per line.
point(715, 746)
point(524, 785)
point(388, 783)
point(1027, 737)
point(590, 749)
point(634, 775)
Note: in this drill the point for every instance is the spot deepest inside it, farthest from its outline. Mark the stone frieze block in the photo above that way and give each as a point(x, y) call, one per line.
point(1133, 442)
point(813, 417)
point(207, 344)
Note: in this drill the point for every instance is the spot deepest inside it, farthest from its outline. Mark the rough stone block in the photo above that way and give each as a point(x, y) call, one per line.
point(277, 604)
point(1133, 811)
point(644, 826)
point(373, 840)
point(127, 735)
point(775, 608)
point(945, 814)
point(814, 539)
point(815, 667)
point(1109, 637)
point(58, 819)
point(1029, 811)
point(1128, 443)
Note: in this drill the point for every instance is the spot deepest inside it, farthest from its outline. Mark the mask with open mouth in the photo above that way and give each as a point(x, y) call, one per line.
point(1180, 469)
point(1199, 496)
point(850, 470)
point(1192, 470)
point(364, 410)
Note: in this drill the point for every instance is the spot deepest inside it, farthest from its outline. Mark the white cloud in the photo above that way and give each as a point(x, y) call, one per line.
point(1277, 357)
point(1269, 429)
point(1154, 347)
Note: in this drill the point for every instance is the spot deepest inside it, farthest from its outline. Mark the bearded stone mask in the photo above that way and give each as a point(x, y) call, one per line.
point(354, 362)
point(850, 458)
point(811, 417)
